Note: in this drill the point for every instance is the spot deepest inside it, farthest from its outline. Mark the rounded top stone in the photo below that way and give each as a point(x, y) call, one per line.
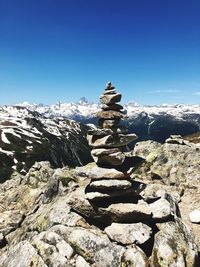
point(108, 84)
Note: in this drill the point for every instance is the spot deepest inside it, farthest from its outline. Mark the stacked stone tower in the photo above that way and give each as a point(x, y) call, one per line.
point(109, 141)
point(109, 179)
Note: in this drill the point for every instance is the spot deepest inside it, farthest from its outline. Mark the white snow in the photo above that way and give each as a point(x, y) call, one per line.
point(4, 138)
point(6, 151)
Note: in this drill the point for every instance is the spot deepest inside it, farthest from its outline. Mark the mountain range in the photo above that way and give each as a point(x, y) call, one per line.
point(148, 122)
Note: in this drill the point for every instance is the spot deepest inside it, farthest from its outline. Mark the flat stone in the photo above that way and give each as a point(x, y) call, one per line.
point(110, 114)
point(127, 234)
point(135, 257)
point(116, 107)
point(111, 157)
point(128, 212)
point(110, 99)
point(110, 91)
point(99, 173)
point(100, 132)
point(110, 184)
point(109, 86)
point(111, 141)
point(195, 216)
point(96, 196)
point(105, 131)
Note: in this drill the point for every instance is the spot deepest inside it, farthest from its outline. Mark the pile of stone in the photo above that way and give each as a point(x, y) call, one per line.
point(109, 143)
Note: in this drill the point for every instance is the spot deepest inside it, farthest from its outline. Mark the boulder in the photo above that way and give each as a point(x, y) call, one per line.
point(22, 255)
point(127, 234)
point(135, 257)
point(174, 246)
point(96, 248)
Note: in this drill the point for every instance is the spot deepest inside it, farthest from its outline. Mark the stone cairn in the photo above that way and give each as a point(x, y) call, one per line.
point(109, 143)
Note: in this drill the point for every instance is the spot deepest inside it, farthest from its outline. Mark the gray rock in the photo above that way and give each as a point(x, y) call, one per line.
point(110, 184)
point(81, 262)
point(111, 157)
point(127, 234)
point(22, 255)
point(96, 248)
point(110, 141)
point(98, 173)
point(109, 86)
point(160, 209)
point(96, 196)
point(176, 139)
point(40, 172)
point(195, 216)
point(110, 115)
point(135, 257)
point(108, 92)
point(116, 107)
point(110, 99)
point(108, 124)
point(173, 164)
point(10, 220)
point(100, 132)
point(77, 200)
point(54, 253)
point(128, 212)
point(174, 246)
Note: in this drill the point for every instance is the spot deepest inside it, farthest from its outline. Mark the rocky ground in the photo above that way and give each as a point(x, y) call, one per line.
point(45, 219)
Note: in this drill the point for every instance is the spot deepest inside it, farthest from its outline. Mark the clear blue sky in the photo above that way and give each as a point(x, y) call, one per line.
point(62, 50)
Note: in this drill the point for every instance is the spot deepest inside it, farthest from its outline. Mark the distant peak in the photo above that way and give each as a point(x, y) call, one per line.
point(83, 100)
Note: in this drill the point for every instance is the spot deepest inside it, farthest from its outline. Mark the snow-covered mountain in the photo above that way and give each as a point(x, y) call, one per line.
point(27, 136)
point(149, 122)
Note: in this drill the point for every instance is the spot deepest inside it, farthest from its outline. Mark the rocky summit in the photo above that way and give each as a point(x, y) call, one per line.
point(126, 209)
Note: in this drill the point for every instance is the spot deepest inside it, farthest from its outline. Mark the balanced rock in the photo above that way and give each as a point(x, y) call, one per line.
point(108, 123)
point(110, 114)
point(128, 212)
point(111, 140)
point(99, 173)
point(108, 92)
point(110, 99)
point(110, 184)
point(108, 156)
point(116, 107)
